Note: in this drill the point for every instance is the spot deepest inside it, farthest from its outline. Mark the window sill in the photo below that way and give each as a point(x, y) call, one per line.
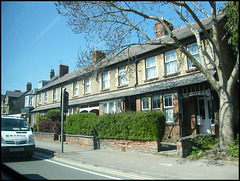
point(170, 123)
point(191, 70)
point(171, 75)
point(88, 93)
point(104, 90)
point(151, 79)
point(121, 86)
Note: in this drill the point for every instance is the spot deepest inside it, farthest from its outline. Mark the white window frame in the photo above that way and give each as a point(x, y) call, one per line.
point(46, 96)
point(190, 66)
point(75, 88)
point(30, 101)
point(122, 76)
point(151, 67)
point(170, 62)
point(26, 101)
point(142, 103)
point(168, 107)
point(86, 86)
point(158, 97)
point(54, 94)
point(116, 109)
point(105, 80)
point(40, 98)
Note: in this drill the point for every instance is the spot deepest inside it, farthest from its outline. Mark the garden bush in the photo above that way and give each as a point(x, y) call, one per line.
point(80, 124)
point(234, 147)
point(53, 115)
point(134, 126)
point(201, 144)
point(50, 127)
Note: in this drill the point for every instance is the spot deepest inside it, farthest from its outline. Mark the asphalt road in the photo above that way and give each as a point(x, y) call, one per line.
point(40, 168)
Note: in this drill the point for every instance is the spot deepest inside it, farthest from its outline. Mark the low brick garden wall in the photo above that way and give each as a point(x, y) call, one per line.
point(45, 136)
point(95, 143)
point(130, 145)
point(80, 140)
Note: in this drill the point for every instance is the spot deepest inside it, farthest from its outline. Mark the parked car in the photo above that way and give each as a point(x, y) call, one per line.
point(16, 137)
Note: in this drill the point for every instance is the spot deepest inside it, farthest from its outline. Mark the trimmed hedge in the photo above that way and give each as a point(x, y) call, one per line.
point(80, 124)
point(134, 126)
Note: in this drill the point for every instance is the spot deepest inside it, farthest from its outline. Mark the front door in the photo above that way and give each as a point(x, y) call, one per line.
point(203, 110)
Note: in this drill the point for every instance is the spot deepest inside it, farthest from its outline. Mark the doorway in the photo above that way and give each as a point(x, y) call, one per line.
point(204, 112)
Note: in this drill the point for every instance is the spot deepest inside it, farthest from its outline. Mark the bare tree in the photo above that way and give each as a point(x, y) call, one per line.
point(119, 25)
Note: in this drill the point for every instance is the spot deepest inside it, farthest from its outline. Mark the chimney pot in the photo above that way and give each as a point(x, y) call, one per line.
point(98, 55)
point(160, 30)
point(29, 86)
point(63, 70)
point(52, 74)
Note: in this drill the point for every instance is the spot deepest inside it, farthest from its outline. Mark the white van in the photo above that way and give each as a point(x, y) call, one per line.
point(16, 137)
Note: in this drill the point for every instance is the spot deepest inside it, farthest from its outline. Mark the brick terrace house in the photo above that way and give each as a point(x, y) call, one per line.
point(144, 78)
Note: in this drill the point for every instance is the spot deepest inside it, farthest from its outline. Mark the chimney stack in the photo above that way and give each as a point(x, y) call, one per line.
point(98, 55)
point(52, 74)
point(63, 70)
point(160, 30)
point(29, 86)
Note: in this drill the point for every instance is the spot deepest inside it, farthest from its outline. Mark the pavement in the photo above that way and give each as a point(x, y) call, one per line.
point(158, 166)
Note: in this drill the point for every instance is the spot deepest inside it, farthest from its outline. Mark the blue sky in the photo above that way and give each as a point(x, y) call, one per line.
point(34, 39)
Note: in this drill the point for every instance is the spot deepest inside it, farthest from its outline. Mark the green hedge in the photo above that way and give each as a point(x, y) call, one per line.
point(134, 126)
point(80, 124)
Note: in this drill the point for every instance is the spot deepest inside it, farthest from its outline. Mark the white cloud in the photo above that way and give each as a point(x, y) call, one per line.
point(48, 28)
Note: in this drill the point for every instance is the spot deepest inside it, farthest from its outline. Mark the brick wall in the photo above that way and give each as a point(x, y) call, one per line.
point(80, 140)
point(130, 145)
point(44, 136)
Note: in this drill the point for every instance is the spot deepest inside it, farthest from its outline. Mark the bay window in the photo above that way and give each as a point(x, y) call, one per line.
point(111, 107)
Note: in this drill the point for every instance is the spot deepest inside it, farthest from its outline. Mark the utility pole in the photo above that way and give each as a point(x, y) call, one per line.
point(64, 108)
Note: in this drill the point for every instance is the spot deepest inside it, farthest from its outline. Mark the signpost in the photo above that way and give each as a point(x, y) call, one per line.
point(64, 109)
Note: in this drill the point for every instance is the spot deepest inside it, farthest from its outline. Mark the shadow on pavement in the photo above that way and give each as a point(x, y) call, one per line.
point(47, 153)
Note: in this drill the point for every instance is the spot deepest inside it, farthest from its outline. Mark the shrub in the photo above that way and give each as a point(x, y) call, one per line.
point(81, 124)
point(50, 126)
point(201, 144)
point(39, 119)
point(53, 115)
point(234, 147)
point(135, 126)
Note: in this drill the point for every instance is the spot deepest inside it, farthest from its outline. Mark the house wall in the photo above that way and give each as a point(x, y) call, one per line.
point(173, 129)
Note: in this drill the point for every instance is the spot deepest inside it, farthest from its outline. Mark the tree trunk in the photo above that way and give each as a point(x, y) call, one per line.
point(226, 118)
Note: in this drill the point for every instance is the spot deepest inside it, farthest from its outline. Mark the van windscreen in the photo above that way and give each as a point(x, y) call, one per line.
point(14, 124)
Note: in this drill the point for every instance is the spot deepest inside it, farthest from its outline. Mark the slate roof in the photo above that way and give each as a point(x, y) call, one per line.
point(180, 33)
point(14, 94)
point(141, 89)
point(32, 92)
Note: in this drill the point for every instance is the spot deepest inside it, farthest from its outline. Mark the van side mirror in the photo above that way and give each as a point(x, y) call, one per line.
point(32, 129)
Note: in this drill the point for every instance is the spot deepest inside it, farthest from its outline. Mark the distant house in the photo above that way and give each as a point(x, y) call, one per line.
point(13, 101)
point(29, 104)
point(144, 78)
